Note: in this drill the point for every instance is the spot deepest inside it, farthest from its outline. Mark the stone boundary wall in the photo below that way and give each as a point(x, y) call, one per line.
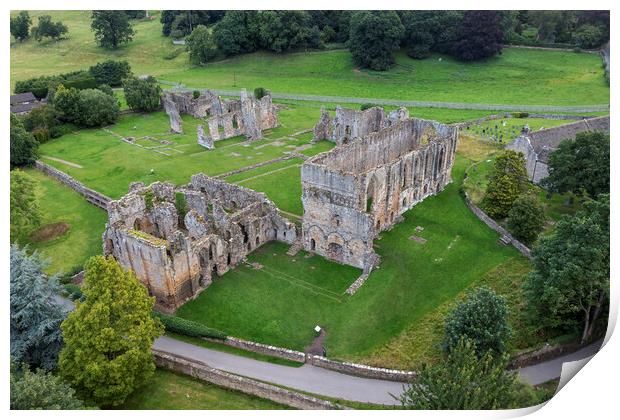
point(495, 226)
point(91, 195)
point(364, 371)
point(282, 353)
point(530, 115)
point(258, 165)
point(218, 377)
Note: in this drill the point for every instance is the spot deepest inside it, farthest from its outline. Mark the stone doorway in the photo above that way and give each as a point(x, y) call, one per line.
point(335, 252)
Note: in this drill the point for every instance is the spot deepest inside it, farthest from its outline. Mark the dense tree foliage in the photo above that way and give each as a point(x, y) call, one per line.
point(285, 30)
point(237, 32)
point(36, 316)
point(25, 212)
point(333, 24)
point(111, 27)
point(429, 31)
point(462, 381)
point(43, 123)
point(66, 103)
point(24, 147)
point(108, 338)
point(96, 109)
point(482, 319)
point(135, 14)
point(568, 287)
point(178, 23)
point(42, 86)
point(111, 72)
point(526, 218)
point(46, 28)
point(142, 94)
point(479, 35)
point(582, 164)
point(374, 37)
point(507, 181)
point(200, 45)
point(40, 390)
point(20, 26)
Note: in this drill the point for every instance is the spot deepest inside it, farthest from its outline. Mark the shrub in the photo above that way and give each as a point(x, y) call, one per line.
point(24, 147)
point(96, 109)
point(189, 328)
point(111, 72)
point(526, 218)
point(196, 94)
point(259, 92)
point(366, 106)
point(142, 94)
point(507, 181)
point(520, 114)
point(106, 89)
point(174, 53)
point(74, 291)
point(41, 134)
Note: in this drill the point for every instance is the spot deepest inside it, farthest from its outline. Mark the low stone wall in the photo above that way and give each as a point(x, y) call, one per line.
point(91, 195)
point(256, 165)
point(360, 370)
point(206, 373)
point(530, 115)
point(282, 353)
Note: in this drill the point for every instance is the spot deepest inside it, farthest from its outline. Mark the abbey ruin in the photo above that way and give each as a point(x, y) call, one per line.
point(355, 191)
point(177, 240)
point(224, 118)
point(349, 124)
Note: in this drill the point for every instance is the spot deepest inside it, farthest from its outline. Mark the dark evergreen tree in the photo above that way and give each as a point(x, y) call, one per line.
point(237, 32)
point(40, 390)
point(20, 26)
point(479, 35)
point(526, 218)
point(507, 181)
point(373, 38)
point(429, 31)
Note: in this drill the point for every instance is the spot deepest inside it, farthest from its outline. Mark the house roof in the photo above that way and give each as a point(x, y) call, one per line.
point(27, 107)
point(547, 140)
point(22, 97)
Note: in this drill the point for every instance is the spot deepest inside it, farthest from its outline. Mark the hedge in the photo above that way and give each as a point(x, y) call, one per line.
point(187, 327)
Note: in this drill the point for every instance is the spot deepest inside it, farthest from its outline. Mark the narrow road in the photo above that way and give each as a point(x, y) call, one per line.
point(551, 369)
point(305, 378)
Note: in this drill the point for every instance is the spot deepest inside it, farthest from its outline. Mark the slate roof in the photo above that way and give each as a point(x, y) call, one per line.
point(547, 140)
point(22, 97)
point(19, 108)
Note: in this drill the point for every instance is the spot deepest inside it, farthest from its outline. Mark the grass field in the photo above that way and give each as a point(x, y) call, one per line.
point(86, 222)
point(172, 391)
point(281, 302)
point(506, 130)
point(517, 76)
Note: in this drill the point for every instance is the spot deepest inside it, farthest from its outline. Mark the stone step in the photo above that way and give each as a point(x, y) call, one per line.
point(295, 248)
point(505, 240)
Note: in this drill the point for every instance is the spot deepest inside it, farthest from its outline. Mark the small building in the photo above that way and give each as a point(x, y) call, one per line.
point(23, 103)
point(536, 146)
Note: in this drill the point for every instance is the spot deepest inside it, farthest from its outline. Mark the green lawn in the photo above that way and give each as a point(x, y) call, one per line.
point(172, 391)
point(59, 203)
point(517, 76)
point(506, 130)
point(283, 300)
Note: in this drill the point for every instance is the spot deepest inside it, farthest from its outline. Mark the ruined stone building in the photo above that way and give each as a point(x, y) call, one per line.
point(537, 145)
point(355, 191)
point(179, 239)
point(224, 118)
point(349, 124)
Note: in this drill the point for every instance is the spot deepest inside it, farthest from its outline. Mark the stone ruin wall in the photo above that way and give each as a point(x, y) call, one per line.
point(355, 191)
point(349, 124)
point(176, 257)
point(223, 118)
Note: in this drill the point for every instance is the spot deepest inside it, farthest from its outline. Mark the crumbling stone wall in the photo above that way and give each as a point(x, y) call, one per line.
point(355, 191)
point(178, 240)
point(349, 124)
point(224, 118)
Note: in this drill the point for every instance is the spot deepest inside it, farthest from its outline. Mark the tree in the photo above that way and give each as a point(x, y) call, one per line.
point(507, 181)
point(373, 38)
point(526, 218)
point(112, 28)
point(482, 319)
point(179, 23)
point(479, 35)
point(96, 109)
point(462, 381)
point(569, 285)
point(47, 28)
point(67, 102)
point(237, 32)
point(25, 212)
point(20, 26)
point(285, 30)
point(111, 72)
point(200, 45)
point(429, 31)
point(35, 314)
point(142, 95)
point(108, 338)
point(24, 147)
point(40, 390)
point(588, 36)
point(581, 164)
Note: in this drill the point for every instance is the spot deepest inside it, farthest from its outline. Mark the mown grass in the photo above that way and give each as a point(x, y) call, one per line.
point(517, 76)
point(59, 203)
point(506, 130)
point(168, 390)
point(282, 301)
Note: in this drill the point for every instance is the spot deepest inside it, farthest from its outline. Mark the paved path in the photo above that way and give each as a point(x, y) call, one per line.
point(407, 103)
point(547, 371)
point(305, 378)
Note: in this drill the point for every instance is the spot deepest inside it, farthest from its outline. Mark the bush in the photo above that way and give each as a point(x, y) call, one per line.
point(526, 218)
point(47, 28)
point(142, 94)
point(507, 181)
point(259, 92)
point(189, 328)
point(366, 106)
point(111, 72)
point(200, 46)
point(520, 114)
point(106, 89)
point(74, 291)
point(61, 129)
point(41, 86)
point(196, 94)
point(41, 134)
point(96, 109)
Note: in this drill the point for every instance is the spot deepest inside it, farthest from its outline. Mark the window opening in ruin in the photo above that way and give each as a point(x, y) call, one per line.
point(275, 234)
point(245, 234)
point(405, 202)
point(425, 188)
point(284, 234)
point(378, 224)
point(228, 259)
point(312, 245)
point(391, 217)
point(109, 246)
point(368, 204)
point(334, 251)
point(220, 130)
point(257, 241)
point(235, 122)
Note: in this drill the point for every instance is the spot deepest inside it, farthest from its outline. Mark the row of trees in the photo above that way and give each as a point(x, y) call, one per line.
point(45, 28)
